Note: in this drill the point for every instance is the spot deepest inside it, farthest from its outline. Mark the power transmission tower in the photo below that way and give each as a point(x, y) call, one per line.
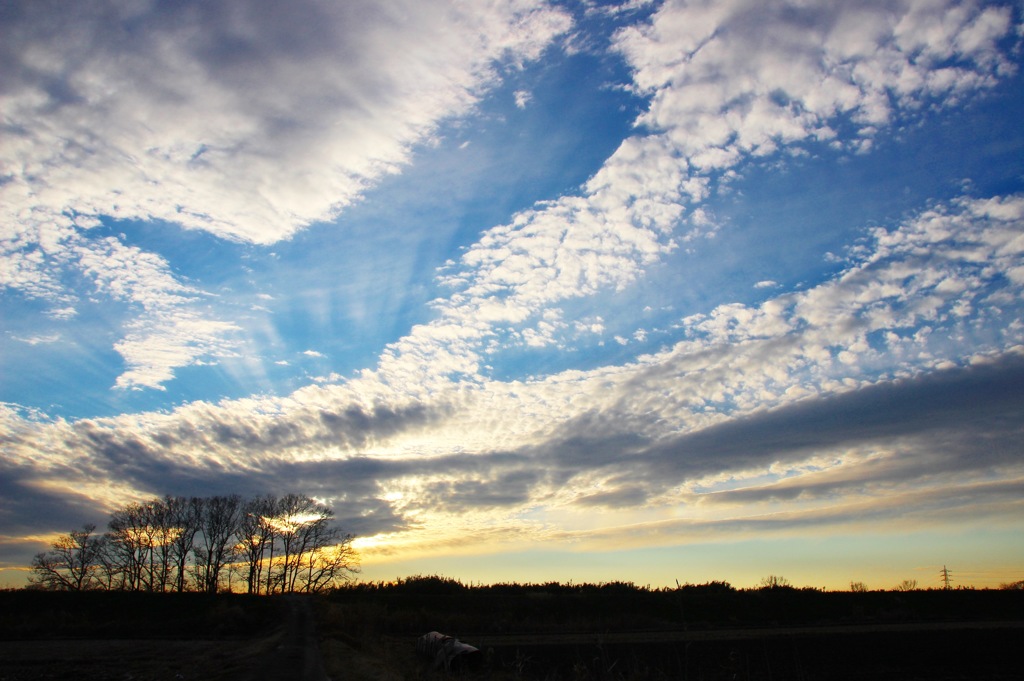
point(946, 578)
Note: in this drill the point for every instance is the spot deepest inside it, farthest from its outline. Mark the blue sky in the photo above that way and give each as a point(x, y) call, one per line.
point(644, 291)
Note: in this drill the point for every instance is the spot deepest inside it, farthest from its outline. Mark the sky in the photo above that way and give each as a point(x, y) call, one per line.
point(526, 291)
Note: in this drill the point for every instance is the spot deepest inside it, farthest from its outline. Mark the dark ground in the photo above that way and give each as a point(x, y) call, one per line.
point(152, 637)
point(544, 632)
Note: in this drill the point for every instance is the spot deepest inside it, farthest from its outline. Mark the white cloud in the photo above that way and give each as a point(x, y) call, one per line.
point(741, 398)
point(721, 92)
point(728, 82)
point(36, 340)
point(734, 94)
point(248, 121)
point(163, 340)
point(62, 313)
point(742, 78)
point(167, 330)
point(522, 98)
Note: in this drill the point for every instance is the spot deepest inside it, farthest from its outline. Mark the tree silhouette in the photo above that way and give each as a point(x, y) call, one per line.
point(774, 582)
point(129, 546)
point(178, 543)
point(254, 535)
point(218, 521)
point(71, 564)
point(185, 514)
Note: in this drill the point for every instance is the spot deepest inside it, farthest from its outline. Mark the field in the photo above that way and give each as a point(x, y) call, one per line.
point(547, 632)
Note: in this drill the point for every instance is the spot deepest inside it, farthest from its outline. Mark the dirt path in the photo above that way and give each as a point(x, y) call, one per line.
point(296, 654)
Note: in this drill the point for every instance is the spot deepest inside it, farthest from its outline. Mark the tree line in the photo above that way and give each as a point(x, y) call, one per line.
point(270, 544)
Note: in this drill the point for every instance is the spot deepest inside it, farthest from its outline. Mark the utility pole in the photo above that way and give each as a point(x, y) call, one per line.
point(946, 579)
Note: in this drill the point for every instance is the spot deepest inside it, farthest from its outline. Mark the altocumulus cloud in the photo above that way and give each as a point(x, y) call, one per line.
point(724, 90)
point(789, 400)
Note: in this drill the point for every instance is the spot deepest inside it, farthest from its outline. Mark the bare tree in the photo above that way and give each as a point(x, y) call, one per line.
point(311, 555)
point(314, 533)
point(907, 585)
point(331, 560)
point(286, 545)
point(72, 564)
point(111, 574)
point(130, 547)
point(143, 551)
point(774, 582)
point(255, 535)
point(296, 514)
point(219, 522)
point(184, 515)
point(162, 529)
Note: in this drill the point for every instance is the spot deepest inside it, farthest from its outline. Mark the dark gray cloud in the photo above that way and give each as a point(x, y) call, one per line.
point(980, 503)
point(232, 445)
point(357, 426)
point(964, 421)
point(949, 435)
point(960, 420)
point(28, 508)
point(460, 494)
point(972, 412)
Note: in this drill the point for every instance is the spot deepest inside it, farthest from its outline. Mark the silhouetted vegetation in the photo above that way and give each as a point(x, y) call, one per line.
point(424, 603)
point(615, 631)
point(622, 631)
point(32, 614)
point(269, 544)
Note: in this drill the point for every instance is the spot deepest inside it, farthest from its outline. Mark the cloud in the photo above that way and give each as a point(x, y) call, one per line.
point(191, 113)
point(36, 340)
point(993, 504)
point(956, 421)
point(55, 261)
point(881, 393)
point(754, 407)
point(728, 83)
point(62, 313)
point(249, 122)
point(741, 79)
point(208, 128)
